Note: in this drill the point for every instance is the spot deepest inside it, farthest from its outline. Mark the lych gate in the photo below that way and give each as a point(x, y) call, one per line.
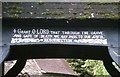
point(34, 38)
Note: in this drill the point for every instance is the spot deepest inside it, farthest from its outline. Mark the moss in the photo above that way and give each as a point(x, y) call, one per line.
point(46, 13)
point(82, 17)
point(115, 17)
point(115, 7)
point(14, 12)
point(87, 8)
point(102, 3)
point(87, 13)
point(35, 12)
point(17, 3)
point(4, 12)
point(53, 13)
point(41, 3)
point(106, 15)
point(63, 17)
point(14, 7)
point(57, 12)
point(100, 12)
point(111, 15)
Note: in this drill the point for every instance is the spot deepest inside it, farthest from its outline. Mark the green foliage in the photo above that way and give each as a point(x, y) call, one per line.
point(88, 68)
point(76, 64)
point(97, 67)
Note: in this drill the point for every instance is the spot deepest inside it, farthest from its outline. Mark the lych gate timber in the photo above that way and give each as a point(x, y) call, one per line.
point(54, 34)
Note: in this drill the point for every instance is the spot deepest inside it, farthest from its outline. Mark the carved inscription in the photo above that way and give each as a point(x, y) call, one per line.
point(51, 36)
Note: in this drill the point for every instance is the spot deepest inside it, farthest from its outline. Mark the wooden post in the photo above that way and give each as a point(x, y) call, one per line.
point(2, 69)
